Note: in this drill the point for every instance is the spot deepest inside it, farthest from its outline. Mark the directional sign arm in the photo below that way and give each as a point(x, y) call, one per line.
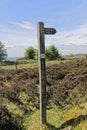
point(49, 31)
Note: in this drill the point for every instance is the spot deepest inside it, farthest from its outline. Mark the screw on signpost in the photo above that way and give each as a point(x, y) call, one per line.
point(42, 70)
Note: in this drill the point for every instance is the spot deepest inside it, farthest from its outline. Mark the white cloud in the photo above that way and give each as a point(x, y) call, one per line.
point(9, 46)
point(16, 51)
point(17, 36)
point(24, 25)
point(77, 36)
point(70, 41)
point(17, 39)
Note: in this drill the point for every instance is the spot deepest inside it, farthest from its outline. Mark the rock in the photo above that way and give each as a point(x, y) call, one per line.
point(68, 128)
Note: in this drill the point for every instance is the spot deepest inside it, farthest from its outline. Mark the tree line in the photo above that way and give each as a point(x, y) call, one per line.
point(31, 53)
point(51, 53)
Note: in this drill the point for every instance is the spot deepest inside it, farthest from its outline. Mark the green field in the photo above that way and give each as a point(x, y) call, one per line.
point(29, 64)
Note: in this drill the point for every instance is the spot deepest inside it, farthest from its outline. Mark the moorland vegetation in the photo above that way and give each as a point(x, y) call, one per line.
point(66, 89)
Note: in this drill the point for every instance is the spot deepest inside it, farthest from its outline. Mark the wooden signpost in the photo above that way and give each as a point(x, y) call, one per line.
point(42, 70)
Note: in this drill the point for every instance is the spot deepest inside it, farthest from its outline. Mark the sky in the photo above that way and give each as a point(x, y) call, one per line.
point(19, 18)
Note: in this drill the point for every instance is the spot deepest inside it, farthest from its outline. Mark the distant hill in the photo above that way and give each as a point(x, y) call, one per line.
point(12, 58)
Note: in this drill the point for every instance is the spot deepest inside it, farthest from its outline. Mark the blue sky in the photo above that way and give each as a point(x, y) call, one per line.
point(18, 24)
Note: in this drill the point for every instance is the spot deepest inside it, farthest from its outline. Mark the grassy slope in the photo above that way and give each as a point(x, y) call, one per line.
point(57, 119)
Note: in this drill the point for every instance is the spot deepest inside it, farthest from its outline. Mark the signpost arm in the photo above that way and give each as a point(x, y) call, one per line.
point(42, 73)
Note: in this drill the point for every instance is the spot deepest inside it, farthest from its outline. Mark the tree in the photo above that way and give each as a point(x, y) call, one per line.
point(30, 53)
point(52, 53)
point(3, 54)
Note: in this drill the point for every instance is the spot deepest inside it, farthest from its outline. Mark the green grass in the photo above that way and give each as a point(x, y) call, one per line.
point(33, 122)
point(20, 66)
point(57, 119)
point(82, 126)
point(30, 64)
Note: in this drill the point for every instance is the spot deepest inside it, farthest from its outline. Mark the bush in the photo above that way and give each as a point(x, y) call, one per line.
point(52, 53)
point(30, 53)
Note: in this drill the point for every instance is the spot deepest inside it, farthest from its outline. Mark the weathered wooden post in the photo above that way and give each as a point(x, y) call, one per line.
point(42, 74)
point(42, 69)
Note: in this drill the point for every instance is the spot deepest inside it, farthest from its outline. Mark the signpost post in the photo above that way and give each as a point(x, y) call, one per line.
point(42, 70)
